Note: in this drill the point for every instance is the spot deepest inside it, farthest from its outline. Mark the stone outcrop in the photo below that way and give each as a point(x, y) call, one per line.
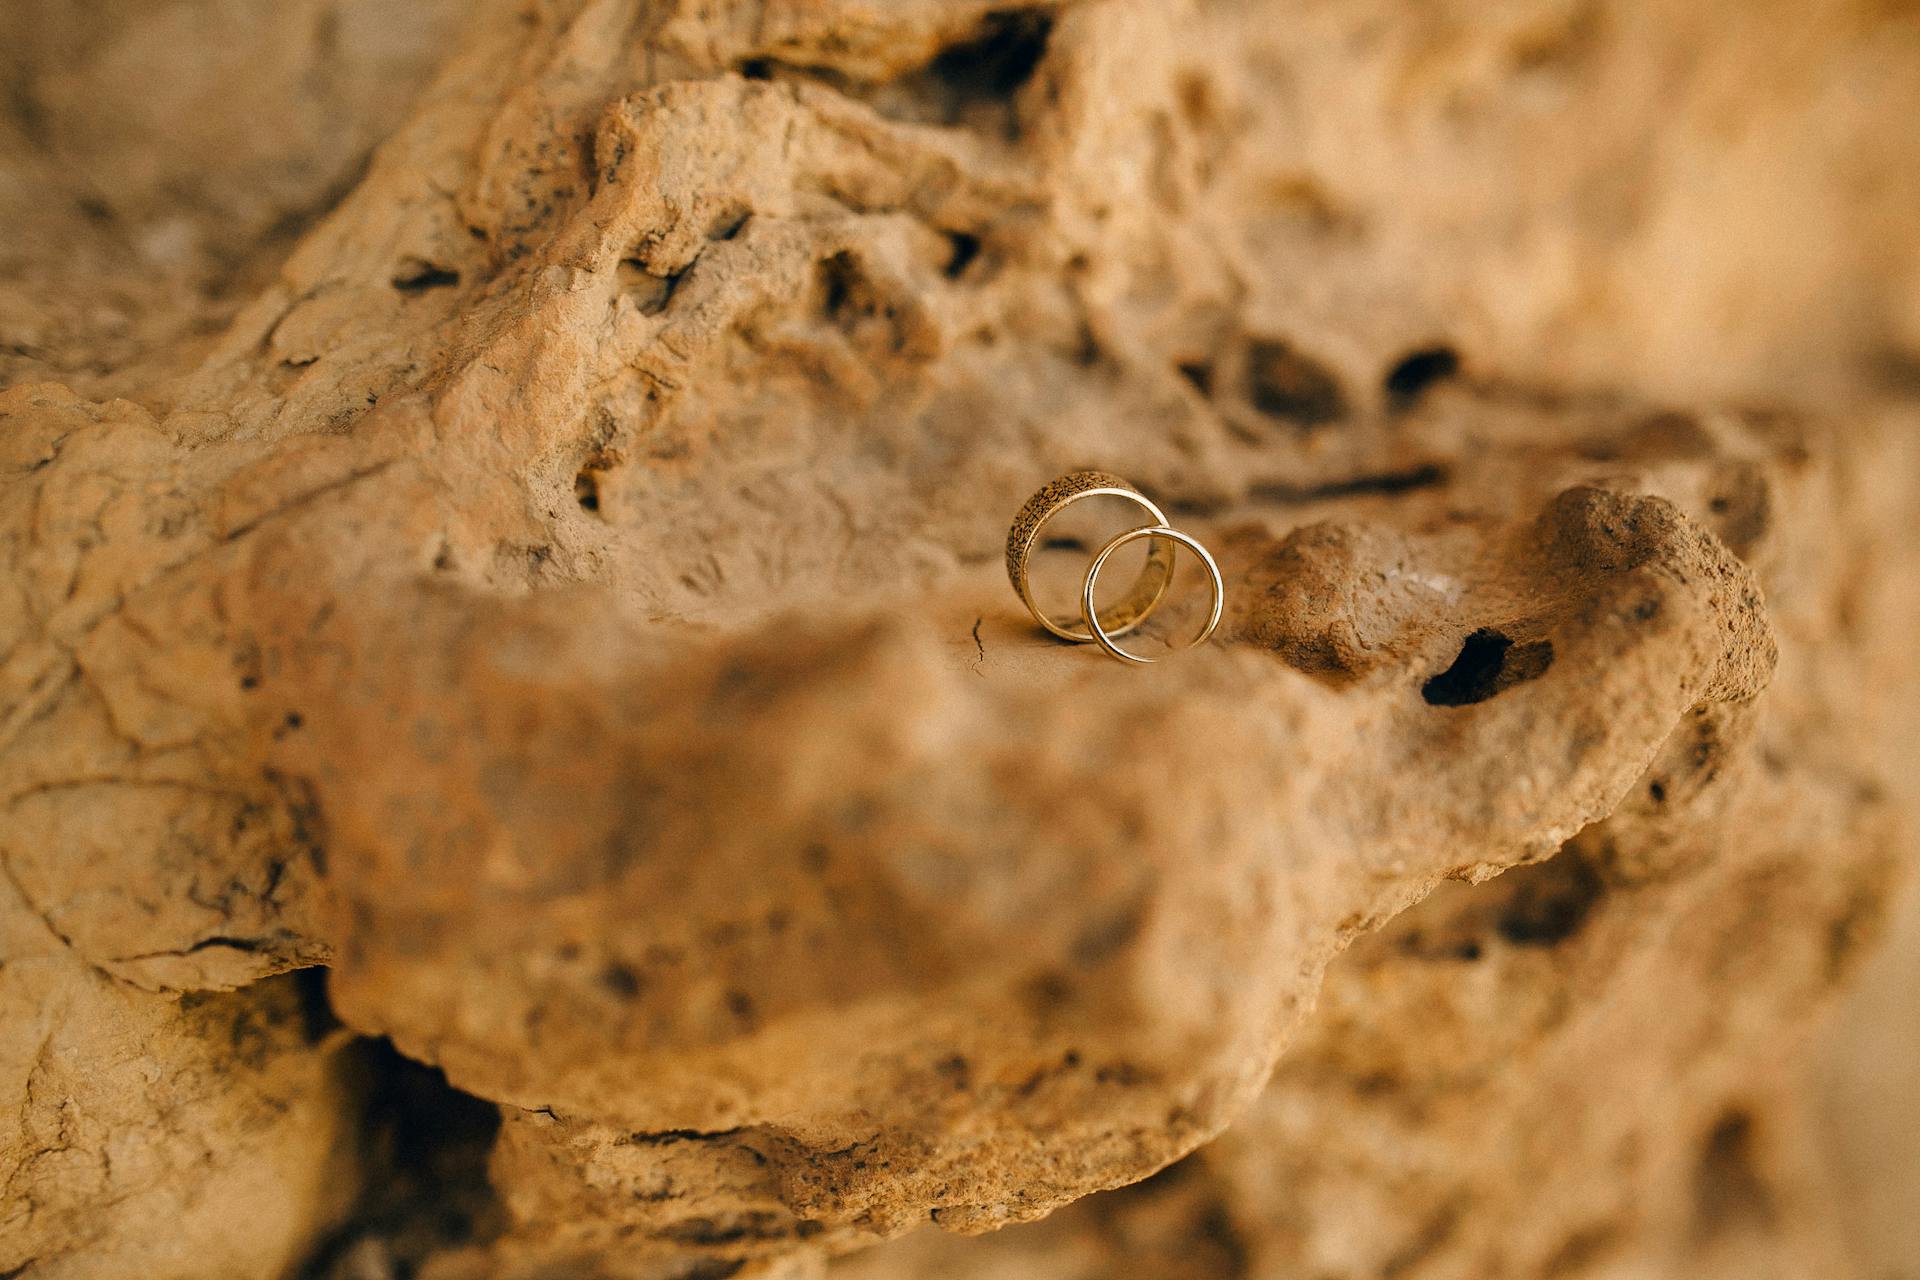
point(519, 757)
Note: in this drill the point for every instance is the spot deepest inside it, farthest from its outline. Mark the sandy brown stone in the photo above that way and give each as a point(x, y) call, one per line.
point(1616, 1032)
point(550, 579)
point(208, 1134)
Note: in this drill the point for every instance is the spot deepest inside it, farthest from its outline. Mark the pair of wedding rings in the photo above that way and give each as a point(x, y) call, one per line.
point(1149, 588)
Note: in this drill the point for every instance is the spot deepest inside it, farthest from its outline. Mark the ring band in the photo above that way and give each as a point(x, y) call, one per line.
point(1160, 534)
point(1156, 575)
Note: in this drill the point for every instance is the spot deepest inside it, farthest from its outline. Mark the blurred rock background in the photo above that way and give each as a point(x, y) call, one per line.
point(1594, 212)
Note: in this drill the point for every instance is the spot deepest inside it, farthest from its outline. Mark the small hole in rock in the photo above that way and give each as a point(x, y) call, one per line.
point(1743, 508)
point(1409, 379)
point(955, 1071)
point(838, 275)
point(1283, 383)
point(1086, 352)
point(586, 491)
point(965, 248)
point(728, 225)
point(316, 1011)
point(1199, 373)
point(852, 303)
point(1551, 900)
point(418, 277)
point(620, 981)
point(757, 69)
point(1195, 94)
point(648, 292)
point(1730, 1185)
point(1489, 662)
point(1048, 990)
point(999, 59)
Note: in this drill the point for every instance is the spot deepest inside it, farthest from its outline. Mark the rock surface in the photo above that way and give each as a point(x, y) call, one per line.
point(535, 599)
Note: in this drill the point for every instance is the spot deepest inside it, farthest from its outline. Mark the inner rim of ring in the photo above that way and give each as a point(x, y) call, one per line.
point(1162, 535)
point(1149, 587)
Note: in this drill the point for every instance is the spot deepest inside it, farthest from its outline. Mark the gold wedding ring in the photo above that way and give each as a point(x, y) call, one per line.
point(1158, 534)
point(1149, 587)
point(1155, 575)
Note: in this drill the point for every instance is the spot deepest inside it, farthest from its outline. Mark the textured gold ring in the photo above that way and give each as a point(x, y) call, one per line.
point(1156, 575)
point(1162, 536)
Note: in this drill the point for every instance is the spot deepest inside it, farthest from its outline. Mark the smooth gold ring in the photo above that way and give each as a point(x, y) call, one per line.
point(1156, 575)
point(1161, 535)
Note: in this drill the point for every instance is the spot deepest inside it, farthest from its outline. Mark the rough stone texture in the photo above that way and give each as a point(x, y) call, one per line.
point(175, 1139)
point(1590, 1066)
point(550, 579)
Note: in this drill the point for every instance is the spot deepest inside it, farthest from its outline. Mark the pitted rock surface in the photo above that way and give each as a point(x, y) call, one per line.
point(501, 624)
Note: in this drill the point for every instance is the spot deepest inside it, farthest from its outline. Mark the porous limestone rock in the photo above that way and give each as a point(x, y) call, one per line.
point(551, 580)
point(1616, 1032)
point(209, 1135)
